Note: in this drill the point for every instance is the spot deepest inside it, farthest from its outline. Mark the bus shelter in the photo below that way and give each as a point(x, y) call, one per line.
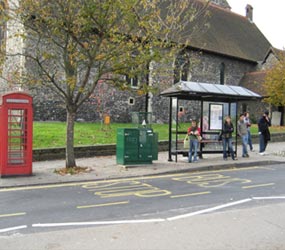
point(212, 102)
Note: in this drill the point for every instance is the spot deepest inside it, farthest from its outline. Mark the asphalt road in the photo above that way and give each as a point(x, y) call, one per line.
point(157, 198)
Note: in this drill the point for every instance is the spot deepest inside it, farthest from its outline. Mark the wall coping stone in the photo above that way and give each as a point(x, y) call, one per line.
point(46, 154)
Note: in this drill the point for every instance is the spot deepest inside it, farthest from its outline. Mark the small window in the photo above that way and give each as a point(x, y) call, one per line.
point(131, 101)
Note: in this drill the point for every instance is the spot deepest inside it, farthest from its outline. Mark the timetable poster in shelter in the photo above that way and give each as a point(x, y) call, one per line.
point(216, 116)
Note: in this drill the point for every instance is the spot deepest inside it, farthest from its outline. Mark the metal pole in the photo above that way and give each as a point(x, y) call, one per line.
point(176, 130)
point(201, 127)
point(170, 130)
point(236, 126)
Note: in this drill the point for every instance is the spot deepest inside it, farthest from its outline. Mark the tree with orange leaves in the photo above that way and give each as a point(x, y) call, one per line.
point(274, 84)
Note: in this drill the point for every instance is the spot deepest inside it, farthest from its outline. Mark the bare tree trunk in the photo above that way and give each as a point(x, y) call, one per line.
point(69, 153)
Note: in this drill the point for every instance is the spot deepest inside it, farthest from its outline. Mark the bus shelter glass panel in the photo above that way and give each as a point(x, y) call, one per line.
point(174, 125)
point(183, 112)
point(17, 136)
point(214, 114)
point(178, 127)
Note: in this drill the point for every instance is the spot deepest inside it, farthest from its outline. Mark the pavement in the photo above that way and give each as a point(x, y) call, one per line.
point(105, 167)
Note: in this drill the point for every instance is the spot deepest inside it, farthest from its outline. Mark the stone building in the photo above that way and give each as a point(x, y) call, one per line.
point(226, 52)
point(231, 48)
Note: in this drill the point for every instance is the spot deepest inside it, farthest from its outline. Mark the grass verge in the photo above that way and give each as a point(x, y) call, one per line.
point(52, 134)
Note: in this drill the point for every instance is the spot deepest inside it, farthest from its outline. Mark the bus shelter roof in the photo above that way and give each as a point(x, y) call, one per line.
point(211, 92)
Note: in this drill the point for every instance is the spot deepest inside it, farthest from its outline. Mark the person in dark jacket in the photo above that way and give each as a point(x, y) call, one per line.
point(228, 129)
point(263, 130)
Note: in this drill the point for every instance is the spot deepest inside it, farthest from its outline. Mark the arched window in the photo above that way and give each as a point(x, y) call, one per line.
point(181, 68)
point(222, 73)
point(132, 81)
point(185, 70)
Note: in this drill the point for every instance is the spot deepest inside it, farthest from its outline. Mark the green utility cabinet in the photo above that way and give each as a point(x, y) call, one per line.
point(136, 146)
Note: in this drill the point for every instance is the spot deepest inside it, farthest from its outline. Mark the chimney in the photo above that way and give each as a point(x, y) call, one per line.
point(249, 12)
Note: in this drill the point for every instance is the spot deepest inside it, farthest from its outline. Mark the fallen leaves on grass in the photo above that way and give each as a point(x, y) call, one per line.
point(72, 171)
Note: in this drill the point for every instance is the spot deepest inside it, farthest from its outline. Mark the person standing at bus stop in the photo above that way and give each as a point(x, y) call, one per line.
point(228, 129)
point(243, 133)
point(263, 130)
point(248, 125)
point(194, 132)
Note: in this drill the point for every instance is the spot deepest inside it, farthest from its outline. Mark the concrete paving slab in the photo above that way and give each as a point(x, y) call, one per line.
point(104, 168)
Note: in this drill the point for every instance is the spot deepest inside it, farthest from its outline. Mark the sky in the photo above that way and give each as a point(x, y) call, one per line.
point(268, 15)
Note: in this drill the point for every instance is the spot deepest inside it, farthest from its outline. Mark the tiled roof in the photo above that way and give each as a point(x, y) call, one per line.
point(228, 34)
point(278, 52)
point(254, 81)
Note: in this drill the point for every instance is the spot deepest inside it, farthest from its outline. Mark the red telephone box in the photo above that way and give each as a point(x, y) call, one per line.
point(16, 128)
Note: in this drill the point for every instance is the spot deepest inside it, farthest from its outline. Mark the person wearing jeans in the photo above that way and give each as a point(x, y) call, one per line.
point(248, 125)
point(243, 133)
point(193, 133)
point(227, 131)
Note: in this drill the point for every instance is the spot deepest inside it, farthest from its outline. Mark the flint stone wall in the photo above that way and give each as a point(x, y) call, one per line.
point(204, 67)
